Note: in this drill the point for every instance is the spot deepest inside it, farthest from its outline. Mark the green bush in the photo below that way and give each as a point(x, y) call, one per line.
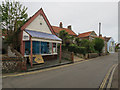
point(98, 44)
point(89, 45)
point(76, 49)
point(72, 48)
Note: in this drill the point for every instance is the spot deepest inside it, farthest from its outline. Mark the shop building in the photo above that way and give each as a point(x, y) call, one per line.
point(38, 38)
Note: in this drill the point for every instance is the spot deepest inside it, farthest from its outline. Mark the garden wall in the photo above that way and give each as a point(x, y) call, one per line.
point(67, 55)
point(13, 64)
point(93, 55)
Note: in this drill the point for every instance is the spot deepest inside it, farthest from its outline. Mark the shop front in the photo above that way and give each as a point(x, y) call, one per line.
point(39, 43)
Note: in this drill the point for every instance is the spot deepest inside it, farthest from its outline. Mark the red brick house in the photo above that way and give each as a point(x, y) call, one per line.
point(91, 35)
point(87, 35)
point(57, 29)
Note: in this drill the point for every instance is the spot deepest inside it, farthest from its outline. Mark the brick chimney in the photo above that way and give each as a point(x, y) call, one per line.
point(69, 27)
point(105, 38)
point(61, 25)
point(100, 35)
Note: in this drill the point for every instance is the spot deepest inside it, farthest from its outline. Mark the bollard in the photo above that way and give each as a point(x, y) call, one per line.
point(72, 57)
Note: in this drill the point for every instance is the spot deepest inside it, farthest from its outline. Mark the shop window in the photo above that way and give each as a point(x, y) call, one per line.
point(40, 47)
point(54, 48)
point(50, 48)
point(36, 47)
point(27, 47)
point(44, 48)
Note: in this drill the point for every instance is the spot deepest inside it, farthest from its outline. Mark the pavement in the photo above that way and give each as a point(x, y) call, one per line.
point(77, 59)
point(115, 81)
point(48, 64)
point(85, 74)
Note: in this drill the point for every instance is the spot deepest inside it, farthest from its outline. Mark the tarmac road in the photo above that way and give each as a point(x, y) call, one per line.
point(88, 74)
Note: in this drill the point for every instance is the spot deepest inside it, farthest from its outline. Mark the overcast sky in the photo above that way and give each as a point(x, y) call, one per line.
point(83, 16)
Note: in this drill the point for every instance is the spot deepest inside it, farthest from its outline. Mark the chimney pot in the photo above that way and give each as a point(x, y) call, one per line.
point(61, 25)
point(100, 35)
point(69, 27)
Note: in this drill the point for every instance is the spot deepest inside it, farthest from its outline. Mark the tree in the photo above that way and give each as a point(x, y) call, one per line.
point(64, 36)
point(89, 45)
point(77, 41)
point(71, 38)
point(98, 44)
point(13, 17)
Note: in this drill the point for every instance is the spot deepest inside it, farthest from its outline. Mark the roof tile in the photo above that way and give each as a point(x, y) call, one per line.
point(86, 34)
point(58, 29)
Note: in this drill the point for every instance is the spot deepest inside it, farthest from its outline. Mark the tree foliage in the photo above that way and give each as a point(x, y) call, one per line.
point(13, 15)
point(98, 44)
point(76, 49)
point(64, 36)
point(77, 41)
point(89, 45)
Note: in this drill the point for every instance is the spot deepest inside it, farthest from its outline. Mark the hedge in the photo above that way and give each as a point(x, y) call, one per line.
point(76, 49)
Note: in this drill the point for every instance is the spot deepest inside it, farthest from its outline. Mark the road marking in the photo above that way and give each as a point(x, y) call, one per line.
point(111, 77)
point(106, 78)
point(28, 73)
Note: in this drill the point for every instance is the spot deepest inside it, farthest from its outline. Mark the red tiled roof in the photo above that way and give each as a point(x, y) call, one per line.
point(86, 34)
point(34, 16)
point(98, 37)
point(58, 29)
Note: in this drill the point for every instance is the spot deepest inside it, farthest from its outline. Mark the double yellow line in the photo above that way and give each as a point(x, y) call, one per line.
point(102, 86)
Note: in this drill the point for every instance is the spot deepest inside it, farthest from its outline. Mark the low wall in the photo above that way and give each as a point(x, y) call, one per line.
point(93, 55)
point(50, 57)
point(68, 55)
point(13, 64)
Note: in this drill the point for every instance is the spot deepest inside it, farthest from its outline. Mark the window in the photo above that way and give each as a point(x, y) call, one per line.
point(44, 48)
point(36, 47)
point(40, 23)
point(50, 48)
point(54, 48)
point(27, 47)
point(40, 47)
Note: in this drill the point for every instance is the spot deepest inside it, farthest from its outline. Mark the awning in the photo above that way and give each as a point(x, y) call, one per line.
point(44, 36)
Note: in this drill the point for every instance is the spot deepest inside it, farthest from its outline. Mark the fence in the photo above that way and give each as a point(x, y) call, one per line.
point(13, 64)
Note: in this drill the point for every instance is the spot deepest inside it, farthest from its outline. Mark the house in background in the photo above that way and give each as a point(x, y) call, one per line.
point(87, 35)
point(60, 28)
point(110, 44)
point(91, 35)
point(38, 38)
point(104, 50)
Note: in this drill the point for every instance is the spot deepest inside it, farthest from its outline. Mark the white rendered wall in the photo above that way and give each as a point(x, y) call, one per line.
point(35, 25)
point(25, 36)
point(109, 45)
